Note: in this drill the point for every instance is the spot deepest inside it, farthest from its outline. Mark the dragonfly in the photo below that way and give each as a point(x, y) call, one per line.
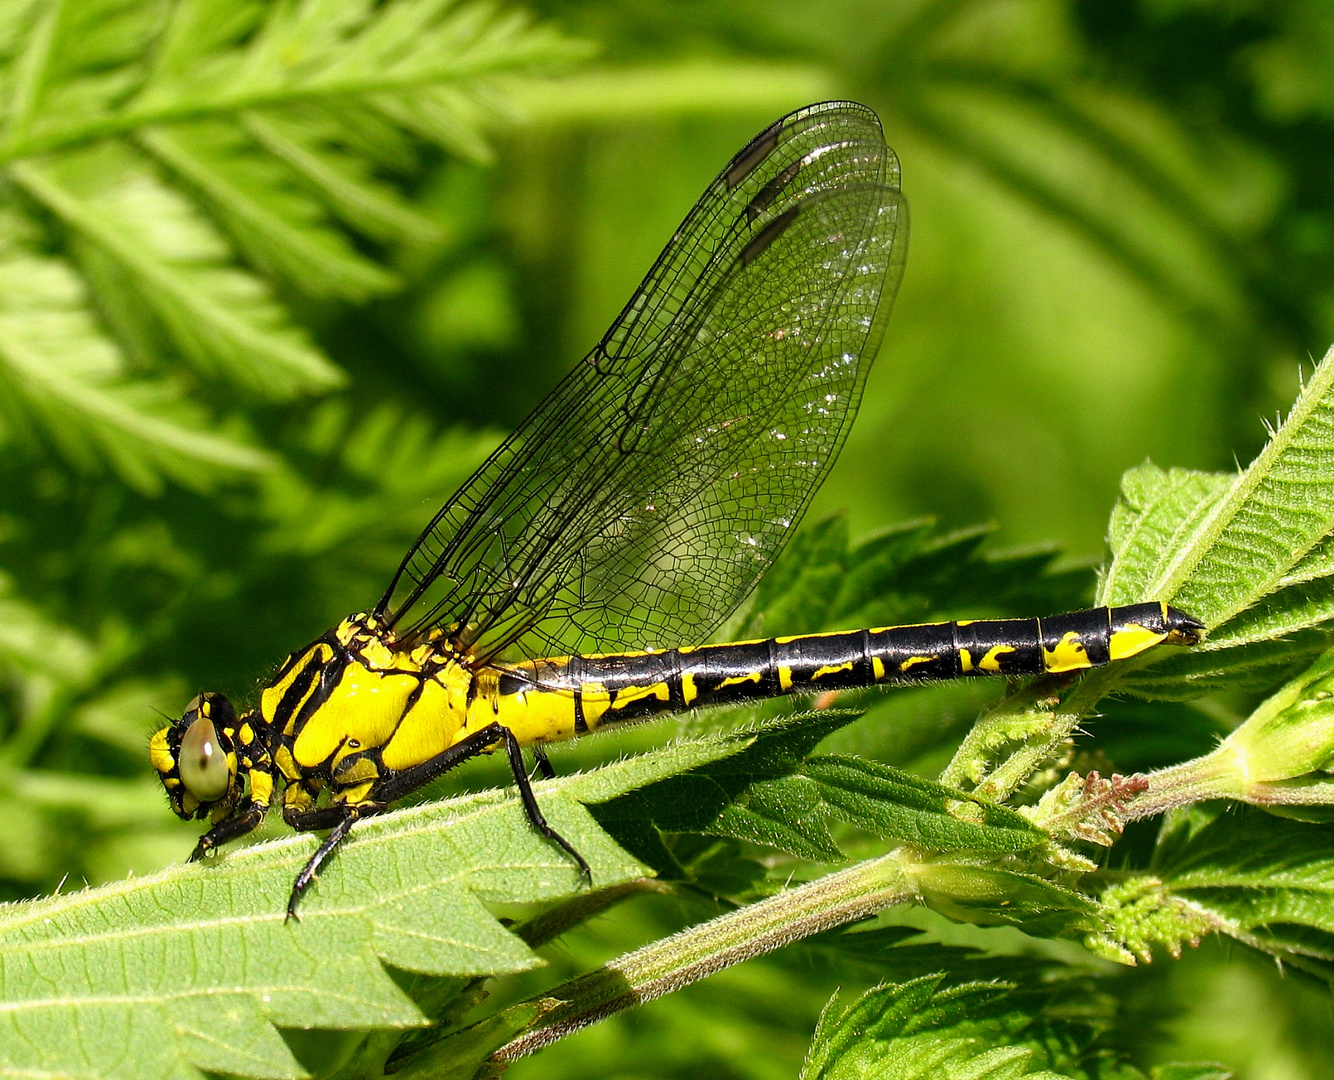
point(568, 585)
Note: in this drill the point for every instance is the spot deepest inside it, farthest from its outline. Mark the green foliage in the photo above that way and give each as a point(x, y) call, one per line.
point(417, 870)
point(1233, 543)
point(1244, 554)
point(153, 954)
point(1259, 878)
point(258, 260)
point(177, 165)
point(907, 573)
point(983, 1030)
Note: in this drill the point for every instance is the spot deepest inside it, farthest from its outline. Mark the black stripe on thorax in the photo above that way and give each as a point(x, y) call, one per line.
point(328, 672)
point(301, 685)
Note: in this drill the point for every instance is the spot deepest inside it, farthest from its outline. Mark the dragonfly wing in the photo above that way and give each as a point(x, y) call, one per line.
point(645, 496)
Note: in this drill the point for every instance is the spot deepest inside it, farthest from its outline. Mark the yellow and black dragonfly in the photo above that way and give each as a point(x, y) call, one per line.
point(633, 510)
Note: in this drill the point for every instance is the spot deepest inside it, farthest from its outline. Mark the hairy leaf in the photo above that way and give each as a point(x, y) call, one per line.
point(1246, 540)
point(919, 1029)
point(772, 793)
point(191, 966)
point(1248, 554)
point(750, 794)
point(1026, 1025)
point(1156, 511)
point(1254, 667)
point(194, 964)
point(1264, 880)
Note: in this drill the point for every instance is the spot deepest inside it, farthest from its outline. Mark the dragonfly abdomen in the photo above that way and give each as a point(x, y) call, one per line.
point(628, 686)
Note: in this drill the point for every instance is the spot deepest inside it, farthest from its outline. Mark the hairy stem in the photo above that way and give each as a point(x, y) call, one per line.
point(696, 953)
point(1023, 731)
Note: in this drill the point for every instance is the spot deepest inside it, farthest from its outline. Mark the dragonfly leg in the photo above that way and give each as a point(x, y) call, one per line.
point(394, 787)
point(544, 767)
point(529, 800)
point(243, 821)
point(479, 742)
point(339, 821)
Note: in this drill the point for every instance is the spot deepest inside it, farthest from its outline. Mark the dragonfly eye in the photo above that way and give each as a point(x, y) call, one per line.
point(203, 763)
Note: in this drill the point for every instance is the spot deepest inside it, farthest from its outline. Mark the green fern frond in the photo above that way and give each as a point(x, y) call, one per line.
point(67, 381)
point(191, 159)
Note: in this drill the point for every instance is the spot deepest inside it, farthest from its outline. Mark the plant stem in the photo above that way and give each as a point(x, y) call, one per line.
point(696, 953)
point(1029, 727)
point(1215, 776)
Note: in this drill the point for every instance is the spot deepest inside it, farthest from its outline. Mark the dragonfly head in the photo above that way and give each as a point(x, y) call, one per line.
point(196, 757)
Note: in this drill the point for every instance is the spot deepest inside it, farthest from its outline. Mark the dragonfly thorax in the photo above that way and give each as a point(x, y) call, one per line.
point(356, 706)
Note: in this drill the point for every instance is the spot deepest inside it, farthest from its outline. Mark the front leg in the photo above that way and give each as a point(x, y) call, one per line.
point(340, 818)
point(248, 814)
point(245, 818)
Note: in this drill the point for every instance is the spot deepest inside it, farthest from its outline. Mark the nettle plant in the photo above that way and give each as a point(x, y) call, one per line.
point(401, 945)
point(164, 165)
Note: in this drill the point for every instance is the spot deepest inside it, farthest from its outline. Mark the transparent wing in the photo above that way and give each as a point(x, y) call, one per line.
point(645, 496)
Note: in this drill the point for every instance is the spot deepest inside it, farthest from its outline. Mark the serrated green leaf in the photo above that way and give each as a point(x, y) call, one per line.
point(741, 786)
point(162, 972)
point(796, 596)
point(1030, 1023)
point(1316, 564)
point(1282, 613)
point(630, 774)
point(908, 573)
point(276, 226)
point(919, 1030)
point(768, 791)
point(1265, 880)
point(874, 569)
point(244, 1043)
point(1156, 510)
point(65, 379)
point(951, 576)
point(1254, 667)
point(898, 806)
point(221, 57)
point(1252, 535)
point(788, 814)
point(342, 179)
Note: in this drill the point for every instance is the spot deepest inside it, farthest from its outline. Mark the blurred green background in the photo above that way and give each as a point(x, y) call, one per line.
point(1122, 233)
